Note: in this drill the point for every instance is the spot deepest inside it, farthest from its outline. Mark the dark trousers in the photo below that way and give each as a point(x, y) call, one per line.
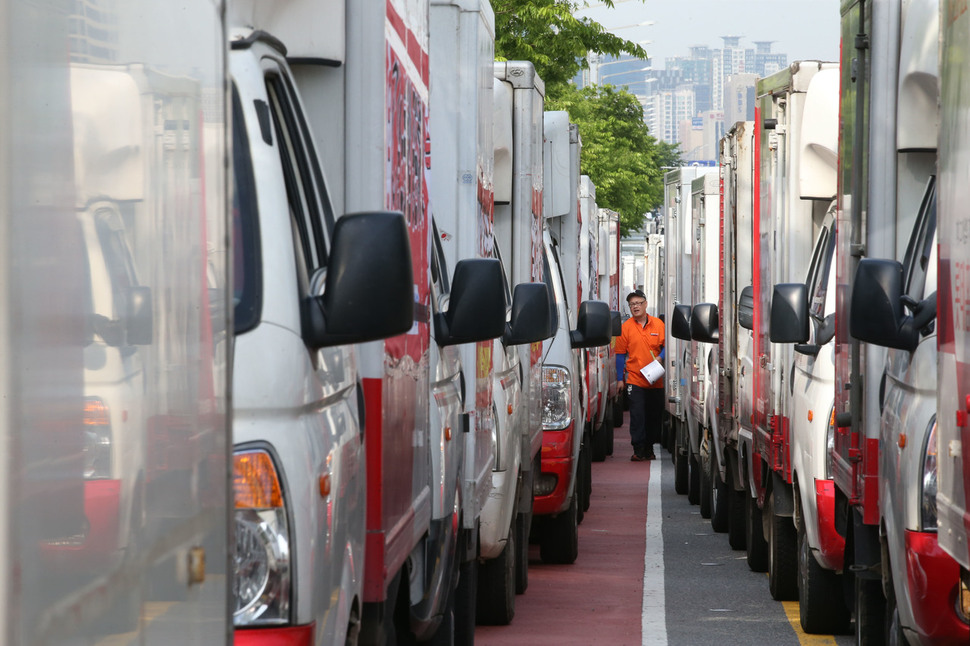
point(646, 416)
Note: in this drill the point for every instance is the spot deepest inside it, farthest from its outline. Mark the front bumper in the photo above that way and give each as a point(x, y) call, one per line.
point(933, 578)
point(831, 544)
point(557, 460)
point(274, 636)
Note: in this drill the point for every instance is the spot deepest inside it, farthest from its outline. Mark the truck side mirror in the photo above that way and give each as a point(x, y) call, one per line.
point(593, 325)
point(342, 313)
point(531, 321)
point(789, 313)
point(476, 308)
point(139, 317)
point(876, 312)
point(746, 308)
point(680, 326)
point(617, 320)
point(704, 323)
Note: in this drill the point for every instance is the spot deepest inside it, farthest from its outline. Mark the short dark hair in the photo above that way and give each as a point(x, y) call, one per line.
point(635, 293)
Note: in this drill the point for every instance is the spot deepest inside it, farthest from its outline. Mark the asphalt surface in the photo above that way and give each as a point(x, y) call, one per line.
point(698, 590)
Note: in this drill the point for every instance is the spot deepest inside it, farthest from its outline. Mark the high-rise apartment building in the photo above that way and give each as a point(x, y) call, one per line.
point(703, 92)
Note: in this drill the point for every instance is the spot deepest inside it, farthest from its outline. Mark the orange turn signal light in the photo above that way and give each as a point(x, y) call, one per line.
point(256, 484)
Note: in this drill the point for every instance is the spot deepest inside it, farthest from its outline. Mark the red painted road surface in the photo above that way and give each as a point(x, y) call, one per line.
point(597, 599)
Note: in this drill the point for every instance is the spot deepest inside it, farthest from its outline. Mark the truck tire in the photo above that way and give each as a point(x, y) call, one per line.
point(782, 555)
point(870, 612)
point(599, 441)
point(611, 427)
point(719, 499)
point(495, 605)
point(754, 536)
point(705, 494)
point(560, 536)
point(586, 464)
point(680, 471)
point(894, 627)
point(463, 604)
point(821, 602)
point(523, 525)
point(694, 482)
point(736, 515)
point(603, 440)
point(522, 522)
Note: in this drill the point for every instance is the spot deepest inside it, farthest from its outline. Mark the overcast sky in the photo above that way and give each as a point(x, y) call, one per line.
point(803, 29)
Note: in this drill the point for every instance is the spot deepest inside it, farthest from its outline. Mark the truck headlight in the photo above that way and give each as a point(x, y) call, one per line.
point(97, 439)
point(928, 482)
point(261, 563)
point(556, 398)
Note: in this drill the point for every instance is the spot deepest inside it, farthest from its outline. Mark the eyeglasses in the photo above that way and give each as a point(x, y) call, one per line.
point(637, 304)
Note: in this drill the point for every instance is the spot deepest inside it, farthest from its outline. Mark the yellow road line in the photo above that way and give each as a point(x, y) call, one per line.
point(149, 613)
point(791, 609)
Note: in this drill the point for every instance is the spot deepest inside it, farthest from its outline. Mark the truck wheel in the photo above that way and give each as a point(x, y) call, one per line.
point(522, 523)
point(821, 604)
point(599, 440)
point(353, 627)
point(782, 555)
point(680, 471)
point(736, 515)
point(719, 499)
point(894, 627)
point(605, 437)
point(694, 483)
point(870, 612)
point(586, 464)
point(463, 604)
point(560, 537)
point(754, 536)
point(611, 427)
point(705, 493)
point(496, 586)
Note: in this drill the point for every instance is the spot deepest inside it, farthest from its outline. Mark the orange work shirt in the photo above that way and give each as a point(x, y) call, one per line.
point(641, 345)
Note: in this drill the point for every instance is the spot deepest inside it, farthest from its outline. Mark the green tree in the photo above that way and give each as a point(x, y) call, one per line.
point(547, 33)
point(619, 155)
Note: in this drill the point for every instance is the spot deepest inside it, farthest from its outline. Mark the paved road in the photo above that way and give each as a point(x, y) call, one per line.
point(650, 571)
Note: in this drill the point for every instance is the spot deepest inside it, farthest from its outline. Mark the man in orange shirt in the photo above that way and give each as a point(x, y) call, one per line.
point(640, 343)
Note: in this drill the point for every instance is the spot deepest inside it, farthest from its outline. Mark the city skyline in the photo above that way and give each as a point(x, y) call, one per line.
point(803, 29)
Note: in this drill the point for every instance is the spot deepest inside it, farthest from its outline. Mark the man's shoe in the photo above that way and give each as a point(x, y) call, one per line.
point(637, 458)
point(650, 456)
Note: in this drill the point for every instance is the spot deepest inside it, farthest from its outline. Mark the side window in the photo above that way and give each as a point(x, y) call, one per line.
point(920, 247)
point(439, 268)
point(298, 161)
point(246, 269)
point(820, 275)
point(550, 285)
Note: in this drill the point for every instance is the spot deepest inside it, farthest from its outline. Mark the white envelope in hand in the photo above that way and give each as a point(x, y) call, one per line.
point(652, 371)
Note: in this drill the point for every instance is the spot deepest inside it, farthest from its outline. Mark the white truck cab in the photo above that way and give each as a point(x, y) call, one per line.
point(113, 285)
point(303, 294)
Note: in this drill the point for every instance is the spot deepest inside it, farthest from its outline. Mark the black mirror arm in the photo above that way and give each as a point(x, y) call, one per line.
point(807, 348)
point(924, 312)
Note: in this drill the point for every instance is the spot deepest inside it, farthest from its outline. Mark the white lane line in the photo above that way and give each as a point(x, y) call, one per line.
point(653, 623)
